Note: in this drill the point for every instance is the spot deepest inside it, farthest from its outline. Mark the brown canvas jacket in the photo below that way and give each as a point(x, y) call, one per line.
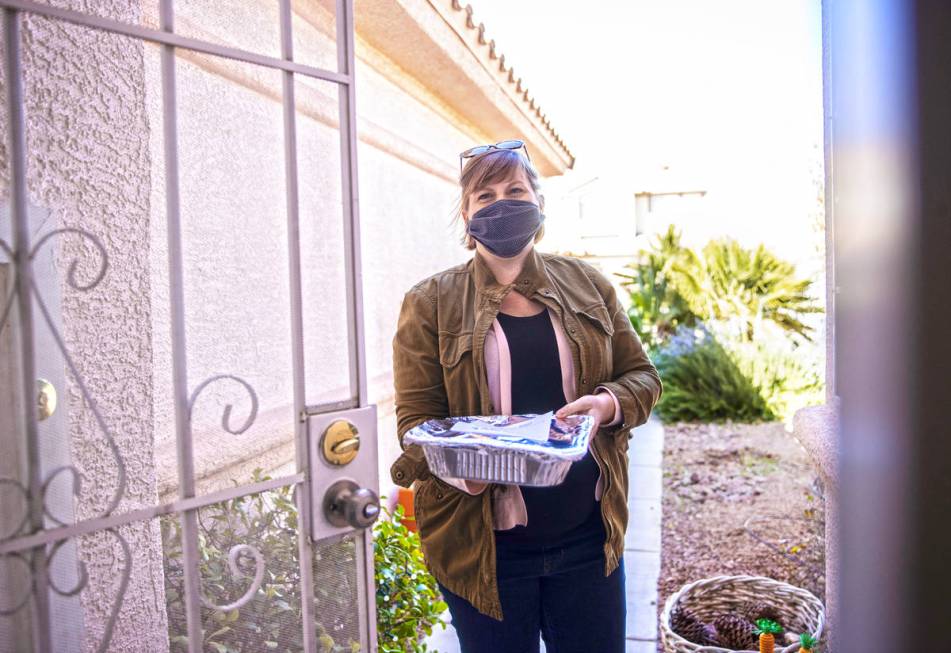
point(439, 371)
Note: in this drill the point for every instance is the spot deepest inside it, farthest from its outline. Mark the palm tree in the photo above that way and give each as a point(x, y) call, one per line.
point(756, 286)
point(657, 309)
point(671, 284)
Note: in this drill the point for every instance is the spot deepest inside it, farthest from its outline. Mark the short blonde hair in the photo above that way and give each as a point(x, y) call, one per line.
point(488, 168)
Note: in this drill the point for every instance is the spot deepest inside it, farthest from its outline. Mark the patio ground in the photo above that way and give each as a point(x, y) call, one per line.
point(719, 477)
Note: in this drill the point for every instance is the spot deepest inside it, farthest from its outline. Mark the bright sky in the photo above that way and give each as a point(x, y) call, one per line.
point(727, 94)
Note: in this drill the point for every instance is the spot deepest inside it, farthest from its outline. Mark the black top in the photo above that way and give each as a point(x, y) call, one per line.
point(567, 509)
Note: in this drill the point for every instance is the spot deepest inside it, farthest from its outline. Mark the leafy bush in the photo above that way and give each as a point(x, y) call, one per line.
point(741, 351)
point(408, 603)
point(703, 383)
point(271, 620)
point(785, 373)
point(407, 597)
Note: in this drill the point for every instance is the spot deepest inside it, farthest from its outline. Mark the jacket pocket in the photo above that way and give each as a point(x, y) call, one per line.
point(600, 334)
point(452, 347)
point(600, 316)
point(409, 466)
point(455, 355)
point(432, 490)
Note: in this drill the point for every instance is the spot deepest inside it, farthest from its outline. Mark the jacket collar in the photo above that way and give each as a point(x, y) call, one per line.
point(532, 278)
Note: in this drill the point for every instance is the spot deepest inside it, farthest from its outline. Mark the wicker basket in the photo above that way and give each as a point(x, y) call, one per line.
point(800, 611)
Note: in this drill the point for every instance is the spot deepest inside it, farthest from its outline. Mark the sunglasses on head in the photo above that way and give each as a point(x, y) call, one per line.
point(512, 144)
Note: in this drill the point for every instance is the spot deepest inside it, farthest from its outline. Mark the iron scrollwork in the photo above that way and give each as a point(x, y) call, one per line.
point(256, 583)
point(71, 279)
point(238, 549)
point(25, 557)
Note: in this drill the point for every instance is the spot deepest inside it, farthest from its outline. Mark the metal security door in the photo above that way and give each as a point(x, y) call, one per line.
point(185, 465)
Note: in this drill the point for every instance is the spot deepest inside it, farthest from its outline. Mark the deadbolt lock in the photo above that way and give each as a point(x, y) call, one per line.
point(46, 399)
point(340, 442)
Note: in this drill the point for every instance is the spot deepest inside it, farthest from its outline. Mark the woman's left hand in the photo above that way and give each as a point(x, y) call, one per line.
point(600, 406)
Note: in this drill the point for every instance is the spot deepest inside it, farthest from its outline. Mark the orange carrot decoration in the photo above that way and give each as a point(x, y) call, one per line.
point(806, 643)
point(766, 629)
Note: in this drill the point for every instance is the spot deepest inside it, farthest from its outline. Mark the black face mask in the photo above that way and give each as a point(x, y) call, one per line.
point(506, 226)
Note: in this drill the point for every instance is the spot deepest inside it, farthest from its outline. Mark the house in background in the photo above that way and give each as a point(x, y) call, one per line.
point(606, 216)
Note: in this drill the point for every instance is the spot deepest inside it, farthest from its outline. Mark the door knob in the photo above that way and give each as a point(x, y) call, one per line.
point(348, 504)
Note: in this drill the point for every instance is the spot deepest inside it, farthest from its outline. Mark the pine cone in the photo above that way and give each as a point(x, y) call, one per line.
point(754, 610)
point(685, 623)
point(735, 632)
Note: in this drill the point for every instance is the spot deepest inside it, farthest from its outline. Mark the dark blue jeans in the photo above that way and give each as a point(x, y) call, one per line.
point(560, 591)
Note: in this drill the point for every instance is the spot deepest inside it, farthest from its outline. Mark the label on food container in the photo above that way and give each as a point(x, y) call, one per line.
point(519, 427)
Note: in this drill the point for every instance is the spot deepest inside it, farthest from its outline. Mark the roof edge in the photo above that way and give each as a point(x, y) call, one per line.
point(487, 51)
point(435, 44)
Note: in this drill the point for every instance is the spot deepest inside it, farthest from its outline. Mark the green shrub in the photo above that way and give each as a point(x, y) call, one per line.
point(702, 383)
point(408, 603)
point(756, 360)
point(271, 620)
point(407, 597)
point(786, 374)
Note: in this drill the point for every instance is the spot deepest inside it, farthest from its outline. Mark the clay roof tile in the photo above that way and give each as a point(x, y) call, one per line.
point(493, 53)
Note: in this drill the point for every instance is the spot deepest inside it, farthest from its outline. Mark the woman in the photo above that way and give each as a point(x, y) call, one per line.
point(514, 330)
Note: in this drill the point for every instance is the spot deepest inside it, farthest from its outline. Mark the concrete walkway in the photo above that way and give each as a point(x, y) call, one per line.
point(641, 546)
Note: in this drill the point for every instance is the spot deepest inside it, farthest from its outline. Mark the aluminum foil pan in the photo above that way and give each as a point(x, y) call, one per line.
point(500, 458)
